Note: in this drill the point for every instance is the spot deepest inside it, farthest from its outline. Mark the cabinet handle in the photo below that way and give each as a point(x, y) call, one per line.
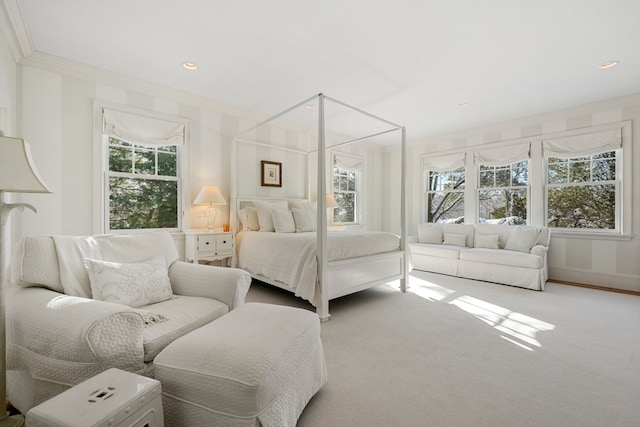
point(224, 241)
point(206, 243)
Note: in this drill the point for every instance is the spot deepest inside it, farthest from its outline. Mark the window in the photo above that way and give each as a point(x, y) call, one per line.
point(503, 193)
point(142, 171)
point(347, 176)
point(582, 186)
point(581, 191)
point(142, 186)
point(445, 195)
point(444, 184)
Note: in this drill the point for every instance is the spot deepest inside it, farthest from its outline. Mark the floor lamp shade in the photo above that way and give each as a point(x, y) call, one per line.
point(210, 195)
point(17, 171)
point(17, 175)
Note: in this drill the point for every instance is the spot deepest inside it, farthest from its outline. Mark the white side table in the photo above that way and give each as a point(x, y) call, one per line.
point(205, 245)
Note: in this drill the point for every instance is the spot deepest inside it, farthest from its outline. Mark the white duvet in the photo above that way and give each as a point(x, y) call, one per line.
point(290, 258)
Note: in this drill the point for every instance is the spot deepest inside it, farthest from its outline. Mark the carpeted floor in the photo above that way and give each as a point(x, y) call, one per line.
point(457, 352)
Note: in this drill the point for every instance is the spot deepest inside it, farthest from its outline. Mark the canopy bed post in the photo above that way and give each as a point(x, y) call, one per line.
point(323, 308)
point(403, 210)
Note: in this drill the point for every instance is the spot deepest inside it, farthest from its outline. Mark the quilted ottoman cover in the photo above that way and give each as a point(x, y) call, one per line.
point(258, 365)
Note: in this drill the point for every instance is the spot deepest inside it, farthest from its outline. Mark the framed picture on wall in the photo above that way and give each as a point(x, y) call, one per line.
point(271, 173)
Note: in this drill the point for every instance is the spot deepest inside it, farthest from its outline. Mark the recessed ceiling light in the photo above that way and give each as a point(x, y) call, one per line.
point(463, 105)
point(608, 64)
point(190, 66)
point(309, 106)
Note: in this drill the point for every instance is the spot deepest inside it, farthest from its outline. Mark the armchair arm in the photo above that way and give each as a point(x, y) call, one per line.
point(68, 339)
point(229, 285)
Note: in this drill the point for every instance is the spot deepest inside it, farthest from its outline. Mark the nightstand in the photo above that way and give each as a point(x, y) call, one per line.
point(208, 245)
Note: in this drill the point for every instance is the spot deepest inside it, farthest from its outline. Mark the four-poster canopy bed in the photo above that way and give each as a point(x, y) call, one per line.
point(283, 234)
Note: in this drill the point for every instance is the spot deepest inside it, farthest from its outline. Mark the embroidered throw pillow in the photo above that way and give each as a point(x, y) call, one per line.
point(133, 284)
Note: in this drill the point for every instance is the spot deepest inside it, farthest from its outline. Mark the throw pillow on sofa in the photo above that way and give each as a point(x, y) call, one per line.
point(522, 239)
point(489, 241)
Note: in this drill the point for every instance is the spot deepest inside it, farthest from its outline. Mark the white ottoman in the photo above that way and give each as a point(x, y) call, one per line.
point(258, 365)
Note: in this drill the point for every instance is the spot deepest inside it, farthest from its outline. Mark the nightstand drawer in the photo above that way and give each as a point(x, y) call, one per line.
point(224, 243)
point(207, 243)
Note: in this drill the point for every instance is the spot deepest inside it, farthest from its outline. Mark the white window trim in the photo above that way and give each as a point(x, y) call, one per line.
point(623, 177)
point(100, 165)
point(537, 181)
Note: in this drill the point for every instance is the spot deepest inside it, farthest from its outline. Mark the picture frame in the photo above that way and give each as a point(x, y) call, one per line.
point(271, 173)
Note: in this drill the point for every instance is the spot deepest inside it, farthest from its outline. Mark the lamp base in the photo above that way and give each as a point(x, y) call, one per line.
point(12, 421)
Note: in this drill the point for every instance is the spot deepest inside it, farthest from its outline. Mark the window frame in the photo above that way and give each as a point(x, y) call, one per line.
point(425, 182)
point(357, 214)
point(478, 188)
point(108, 174)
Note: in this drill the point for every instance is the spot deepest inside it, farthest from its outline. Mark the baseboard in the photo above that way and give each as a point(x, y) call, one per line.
point(600, 288)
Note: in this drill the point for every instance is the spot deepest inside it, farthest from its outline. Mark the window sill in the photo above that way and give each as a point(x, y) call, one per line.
point(590, 236)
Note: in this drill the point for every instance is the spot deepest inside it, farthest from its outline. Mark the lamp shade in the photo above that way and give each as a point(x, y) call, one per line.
point(17, 171)
point(209, 195)
point(331, 202)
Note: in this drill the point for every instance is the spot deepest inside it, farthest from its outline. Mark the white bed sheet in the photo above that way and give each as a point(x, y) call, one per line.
point(290, 258)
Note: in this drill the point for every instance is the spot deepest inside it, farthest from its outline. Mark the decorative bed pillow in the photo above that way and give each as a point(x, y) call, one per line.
point(283, 221)
point(301, 204)
point(305, 220)
point(454, 239)
point(242, 216)
point(264, 213)
point(522, 239)
point(429, 233)
point(252, 219)
point(489, 241)
point(133, 284)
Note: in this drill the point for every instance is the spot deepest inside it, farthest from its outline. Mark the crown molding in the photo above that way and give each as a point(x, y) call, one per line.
point(14, 30)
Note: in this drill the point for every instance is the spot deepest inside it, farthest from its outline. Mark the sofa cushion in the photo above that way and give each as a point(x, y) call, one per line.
point(522, 239)
point(429, 233)
point(435, 250)
point(455, 239)
point(184, 315)
point(501, 257)
point(36, 264)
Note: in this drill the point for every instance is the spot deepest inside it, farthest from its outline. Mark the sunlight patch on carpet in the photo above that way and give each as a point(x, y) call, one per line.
point(521, 329)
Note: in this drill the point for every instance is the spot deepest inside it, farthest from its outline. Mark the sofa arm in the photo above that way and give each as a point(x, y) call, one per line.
point(539, 250)
point(229, 285)
point(68, 339)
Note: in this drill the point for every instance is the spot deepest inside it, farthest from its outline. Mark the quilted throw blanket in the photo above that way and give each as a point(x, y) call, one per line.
point(73, 250)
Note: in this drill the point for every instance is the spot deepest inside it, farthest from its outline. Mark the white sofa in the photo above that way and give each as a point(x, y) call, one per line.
point(59, 335)
point(505, 254)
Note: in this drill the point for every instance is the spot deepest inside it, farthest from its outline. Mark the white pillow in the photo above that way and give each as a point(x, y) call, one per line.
point(489, 241)
point(455, 239)
point(305, 220)
point(133, 284)
point(522, 239)
point(252, 219)
point(301, 204)
point(264, 213)
point(283, 221)
point(242, 216)
point(429, 233)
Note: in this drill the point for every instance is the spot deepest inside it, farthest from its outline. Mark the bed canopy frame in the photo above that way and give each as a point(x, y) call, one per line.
point(299, 132)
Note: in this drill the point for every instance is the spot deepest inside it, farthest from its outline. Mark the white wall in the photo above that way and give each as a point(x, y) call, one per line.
point(606, 261)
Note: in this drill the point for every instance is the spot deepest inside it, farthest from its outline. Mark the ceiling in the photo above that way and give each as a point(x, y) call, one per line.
point(410, 62)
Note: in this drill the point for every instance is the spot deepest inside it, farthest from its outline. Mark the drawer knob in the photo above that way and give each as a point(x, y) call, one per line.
point(206, 243)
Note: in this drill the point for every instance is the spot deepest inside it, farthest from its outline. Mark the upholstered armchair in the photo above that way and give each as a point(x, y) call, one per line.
point(79, 305)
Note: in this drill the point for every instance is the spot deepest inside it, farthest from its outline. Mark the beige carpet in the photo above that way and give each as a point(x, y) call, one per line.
point(456, 352)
